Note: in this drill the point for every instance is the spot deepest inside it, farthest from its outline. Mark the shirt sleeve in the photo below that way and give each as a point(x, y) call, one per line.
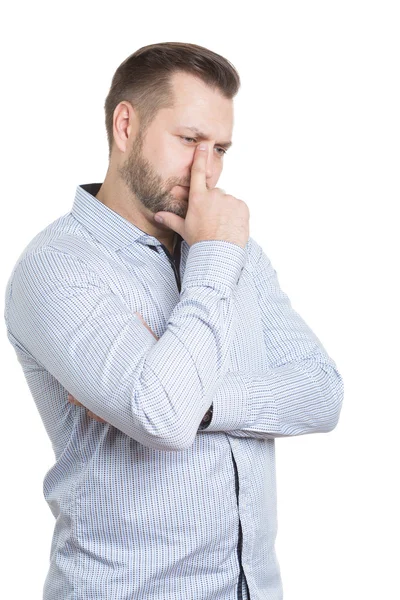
point(300, 392)
point(75, 326)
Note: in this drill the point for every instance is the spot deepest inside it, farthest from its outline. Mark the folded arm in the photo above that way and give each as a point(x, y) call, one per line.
point(300, 391)
point(62, 313)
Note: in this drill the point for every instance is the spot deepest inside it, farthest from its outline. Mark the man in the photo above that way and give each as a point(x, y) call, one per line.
point(181, 357)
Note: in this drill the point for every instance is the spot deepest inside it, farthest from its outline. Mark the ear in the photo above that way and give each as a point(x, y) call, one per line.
point(125, 125)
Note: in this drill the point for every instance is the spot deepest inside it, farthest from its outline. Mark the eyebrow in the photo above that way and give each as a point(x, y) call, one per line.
point(203, 136)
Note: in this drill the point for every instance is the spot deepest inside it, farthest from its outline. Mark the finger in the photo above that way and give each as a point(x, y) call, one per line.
point(95, 417)
point(171, 221)
point(73, 400)
point(89, 412)
point(145, 324)
point(198, 171)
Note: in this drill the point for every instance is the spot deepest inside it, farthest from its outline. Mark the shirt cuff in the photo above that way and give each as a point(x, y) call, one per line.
point(216, 263)
point(231, 403)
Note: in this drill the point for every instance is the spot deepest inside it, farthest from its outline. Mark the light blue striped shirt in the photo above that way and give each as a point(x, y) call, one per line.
point(149, 505)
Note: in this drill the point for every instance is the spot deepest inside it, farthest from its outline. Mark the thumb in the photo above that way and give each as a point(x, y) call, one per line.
point(171, 220)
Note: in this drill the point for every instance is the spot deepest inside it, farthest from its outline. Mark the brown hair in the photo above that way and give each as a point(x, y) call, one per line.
point(143, 79)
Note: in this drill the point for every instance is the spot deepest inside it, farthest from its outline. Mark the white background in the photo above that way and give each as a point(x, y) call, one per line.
point(316, 158)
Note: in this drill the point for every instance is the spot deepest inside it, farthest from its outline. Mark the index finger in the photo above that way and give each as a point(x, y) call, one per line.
point(198, 171)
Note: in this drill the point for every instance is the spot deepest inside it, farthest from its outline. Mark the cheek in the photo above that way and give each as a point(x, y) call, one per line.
point(172, 160)
point(155, 151)
point(217, 173)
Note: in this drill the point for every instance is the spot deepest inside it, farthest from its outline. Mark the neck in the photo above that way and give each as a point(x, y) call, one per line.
point(114, 194)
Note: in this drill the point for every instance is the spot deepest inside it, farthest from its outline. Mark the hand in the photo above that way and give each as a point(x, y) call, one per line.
point(211, 214)
point(145, 324)
point(89, 412)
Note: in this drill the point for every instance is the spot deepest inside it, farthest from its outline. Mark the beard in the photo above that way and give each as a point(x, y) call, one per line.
point(147, 185)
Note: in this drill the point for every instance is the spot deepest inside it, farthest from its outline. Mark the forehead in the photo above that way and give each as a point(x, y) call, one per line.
point(198, 105)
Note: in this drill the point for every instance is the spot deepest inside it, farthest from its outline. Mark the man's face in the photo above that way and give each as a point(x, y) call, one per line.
point(159, 164)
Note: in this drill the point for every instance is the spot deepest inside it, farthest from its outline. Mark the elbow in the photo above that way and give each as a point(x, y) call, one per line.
point(323, 405)
point(156, 416)
point(179, 439)
point(175, 440)
point(162, 425)
point(170, 445)
point(333, 392)
point(160, 431)
point(318, 410)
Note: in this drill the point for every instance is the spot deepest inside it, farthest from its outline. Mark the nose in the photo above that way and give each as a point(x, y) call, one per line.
point(213, 167)
point(210, 165)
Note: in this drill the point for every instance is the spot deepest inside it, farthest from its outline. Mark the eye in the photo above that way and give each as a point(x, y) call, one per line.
point(194, 139)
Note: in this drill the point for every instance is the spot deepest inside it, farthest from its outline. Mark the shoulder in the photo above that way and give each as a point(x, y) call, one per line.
point(64, 247)
point(62, 252)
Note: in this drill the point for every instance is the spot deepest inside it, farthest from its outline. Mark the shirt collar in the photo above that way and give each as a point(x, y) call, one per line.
point(106, 225)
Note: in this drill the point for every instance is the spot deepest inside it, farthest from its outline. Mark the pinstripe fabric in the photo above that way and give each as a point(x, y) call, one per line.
point(149, 505)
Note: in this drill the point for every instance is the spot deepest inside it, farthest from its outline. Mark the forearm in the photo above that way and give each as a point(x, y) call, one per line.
point(292, 399)
point(296, 388)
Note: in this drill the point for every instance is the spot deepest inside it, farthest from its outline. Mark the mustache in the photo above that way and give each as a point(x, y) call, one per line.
point(187, 185)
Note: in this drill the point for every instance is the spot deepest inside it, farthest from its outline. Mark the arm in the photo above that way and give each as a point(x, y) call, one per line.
point(204, 423)
point(300, 392)
point(84, 334)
